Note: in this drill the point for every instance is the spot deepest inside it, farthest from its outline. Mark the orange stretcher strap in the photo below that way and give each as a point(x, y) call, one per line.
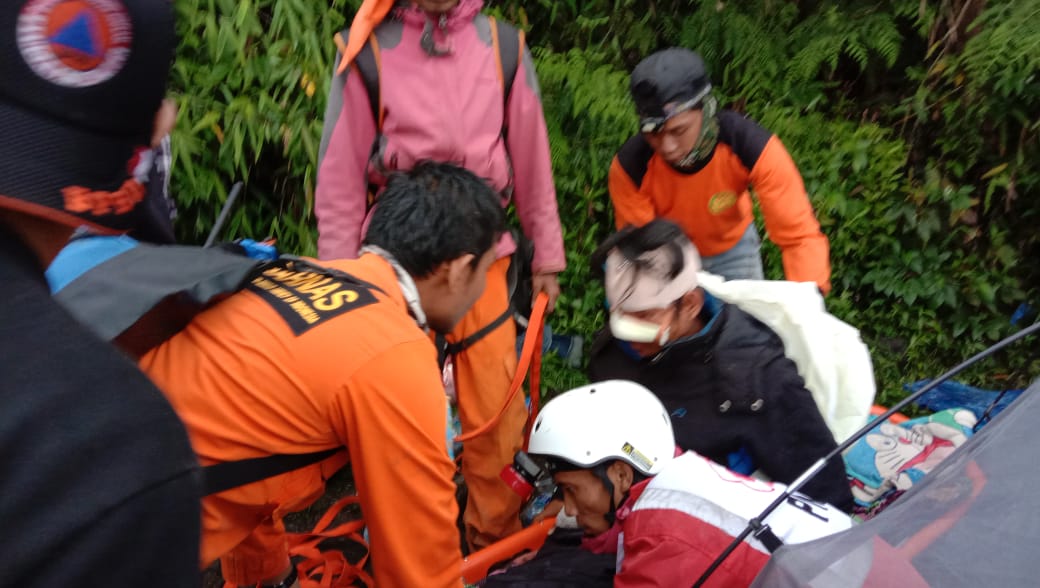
point(530, 356)
point(897, 418)
point(475, 567)
point(330, 568)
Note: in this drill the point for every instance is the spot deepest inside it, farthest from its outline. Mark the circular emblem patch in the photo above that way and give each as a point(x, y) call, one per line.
point(721, 202)
point(75, 43)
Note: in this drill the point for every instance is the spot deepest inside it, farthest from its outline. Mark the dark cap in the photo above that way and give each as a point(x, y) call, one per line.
point(667, 83)
point(80, 84)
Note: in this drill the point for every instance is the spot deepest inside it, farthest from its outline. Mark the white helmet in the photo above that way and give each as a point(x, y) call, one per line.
point(610, 420)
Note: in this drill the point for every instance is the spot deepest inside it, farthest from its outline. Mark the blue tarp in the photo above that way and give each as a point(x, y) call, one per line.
point(957, 395)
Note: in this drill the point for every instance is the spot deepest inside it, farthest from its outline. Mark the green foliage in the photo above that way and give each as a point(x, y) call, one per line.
point(557, 377)
point(588, 118)
point(861, 35)
point(915, 126)
point(250, 78)
point(727, 34)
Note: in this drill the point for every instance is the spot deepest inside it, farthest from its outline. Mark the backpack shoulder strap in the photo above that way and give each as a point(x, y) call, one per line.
point(369, 66)
point(508, 43)
point(634, 157)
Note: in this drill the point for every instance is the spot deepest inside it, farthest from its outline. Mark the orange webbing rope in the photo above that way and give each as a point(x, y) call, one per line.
point(329, 568)
point(530, 356)
point(534, 381)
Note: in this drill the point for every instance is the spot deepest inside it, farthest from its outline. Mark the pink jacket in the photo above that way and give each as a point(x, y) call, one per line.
point(446, 108)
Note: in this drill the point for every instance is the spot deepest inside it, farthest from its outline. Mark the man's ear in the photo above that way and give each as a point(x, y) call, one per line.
point(622, 475)
point(459, 272)
point(692, 303)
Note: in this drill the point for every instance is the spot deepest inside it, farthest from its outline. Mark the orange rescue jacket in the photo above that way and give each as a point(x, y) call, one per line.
point(300, 362)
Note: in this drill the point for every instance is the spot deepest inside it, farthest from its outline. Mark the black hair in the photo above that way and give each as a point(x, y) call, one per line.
point(632, 242)
point(433, 214)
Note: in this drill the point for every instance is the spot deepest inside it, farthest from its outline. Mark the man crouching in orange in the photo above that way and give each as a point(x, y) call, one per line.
point(315, 357)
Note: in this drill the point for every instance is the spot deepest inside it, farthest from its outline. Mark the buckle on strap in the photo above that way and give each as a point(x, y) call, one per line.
point(765, 535)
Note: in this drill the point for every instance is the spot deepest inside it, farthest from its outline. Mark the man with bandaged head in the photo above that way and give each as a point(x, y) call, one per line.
point(732, 395)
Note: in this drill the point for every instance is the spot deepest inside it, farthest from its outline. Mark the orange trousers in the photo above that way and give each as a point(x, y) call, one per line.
point(483, 373)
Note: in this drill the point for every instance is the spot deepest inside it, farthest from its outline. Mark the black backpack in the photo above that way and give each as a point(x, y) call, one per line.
point(136, 302)
point(560, 563)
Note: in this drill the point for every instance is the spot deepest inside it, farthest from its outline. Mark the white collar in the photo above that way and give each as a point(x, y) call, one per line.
point(404, 279)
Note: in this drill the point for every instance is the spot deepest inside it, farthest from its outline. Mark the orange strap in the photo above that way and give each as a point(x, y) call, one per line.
point(330, 568)
point(530, 355)
point(498, 50)
point(367, 18)
point(897, 418)
point(534, 383)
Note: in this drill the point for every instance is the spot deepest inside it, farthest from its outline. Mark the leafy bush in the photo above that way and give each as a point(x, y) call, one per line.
point(251, 78)
point(915, 126)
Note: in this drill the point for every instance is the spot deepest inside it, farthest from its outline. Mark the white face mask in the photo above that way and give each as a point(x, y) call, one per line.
point(636, 330)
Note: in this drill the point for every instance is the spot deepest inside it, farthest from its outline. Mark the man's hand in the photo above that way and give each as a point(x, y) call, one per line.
point(546, 283)
point(551, 509)
point(165, 120)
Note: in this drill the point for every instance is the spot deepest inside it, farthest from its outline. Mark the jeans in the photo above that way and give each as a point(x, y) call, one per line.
point(569, 347)
point(742, 262)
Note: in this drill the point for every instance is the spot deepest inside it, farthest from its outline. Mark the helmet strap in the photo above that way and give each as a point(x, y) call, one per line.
point(601, 472)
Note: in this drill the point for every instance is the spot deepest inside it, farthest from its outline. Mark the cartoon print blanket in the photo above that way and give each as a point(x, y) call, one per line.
point(894, 457)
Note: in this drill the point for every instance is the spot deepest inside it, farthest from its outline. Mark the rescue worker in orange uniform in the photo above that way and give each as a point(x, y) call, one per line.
point(695, 165)
point(304, 360)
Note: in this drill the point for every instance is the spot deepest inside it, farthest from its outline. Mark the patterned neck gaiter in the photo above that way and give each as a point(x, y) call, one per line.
point(708, 138)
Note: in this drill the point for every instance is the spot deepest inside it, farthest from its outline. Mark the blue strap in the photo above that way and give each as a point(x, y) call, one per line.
point(83, 254)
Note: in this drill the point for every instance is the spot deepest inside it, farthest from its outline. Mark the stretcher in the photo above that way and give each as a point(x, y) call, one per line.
point(475, 567)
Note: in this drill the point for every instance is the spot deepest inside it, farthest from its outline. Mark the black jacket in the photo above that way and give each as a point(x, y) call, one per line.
point(730, 387)
point(98, 482)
